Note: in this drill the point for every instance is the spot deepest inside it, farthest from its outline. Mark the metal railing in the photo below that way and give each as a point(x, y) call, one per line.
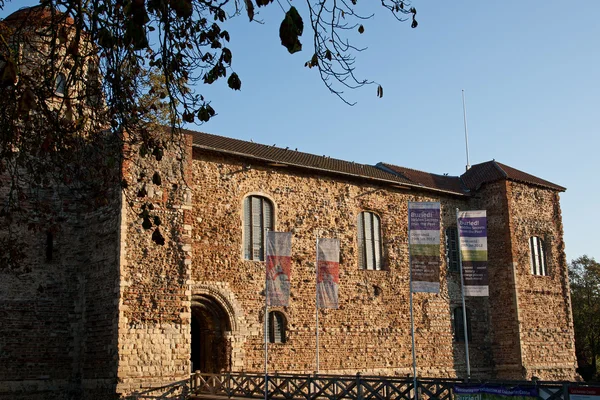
point(359, 387)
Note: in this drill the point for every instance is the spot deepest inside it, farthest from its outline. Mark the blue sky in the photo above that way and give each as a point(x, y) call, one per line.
point(530, 71)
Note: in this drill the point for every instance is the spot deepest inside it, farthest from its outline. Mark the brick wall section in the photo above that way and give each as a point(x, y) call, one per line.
point(504, 327)
point(154, 293)
point(57, 321)
point(544, 301)
point(369, 333)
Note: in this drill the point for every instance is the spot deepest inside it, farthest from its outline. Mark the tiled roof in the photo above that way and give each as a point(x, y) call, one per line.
point(476, 176)
point(492, 171)
point(520, 176)
point(277, 155)
point(427, 179)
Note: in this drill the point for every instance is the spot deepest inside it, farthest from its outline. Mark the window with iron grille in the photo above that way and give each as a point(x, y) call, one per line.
point(60, 86)
point(277, 327)
point(458, 324)
point(258, 217)
point(452, 248)
point(537, 256)
point(369, 241)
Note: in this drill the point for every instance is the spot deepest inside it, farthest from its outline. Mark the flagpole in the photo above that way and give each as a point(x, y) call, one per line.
point(317, 299)
point(462, 293)
point(412, 320)
point(266, 318)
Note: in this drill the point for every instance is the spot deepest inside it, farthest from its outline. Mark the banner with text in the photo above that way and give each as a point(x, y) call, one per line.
point(483, 392)
point(328, 272)
point(472, 233)
point(424, 246)
point(279, 267)
point(584, 393)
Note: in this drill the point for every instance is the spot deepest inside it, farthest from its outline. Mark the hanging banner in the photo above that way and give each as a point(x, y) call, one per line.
point(472, 233)
point(279, 266)
point(584, 393)
point(424, 246)
point(328, 272)
point(483, 392)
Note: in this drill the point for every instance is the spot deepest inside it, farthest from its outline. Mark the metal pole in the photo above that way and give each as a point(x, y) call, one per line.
point(466, 131)
point(462, 294)
point(317, 300)
point(266, 318)
point(412, 319)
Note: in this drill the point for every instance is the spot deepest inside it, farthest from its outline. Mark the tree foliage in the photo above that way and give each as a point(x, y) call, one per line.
point(70, 69)
point(584, 273)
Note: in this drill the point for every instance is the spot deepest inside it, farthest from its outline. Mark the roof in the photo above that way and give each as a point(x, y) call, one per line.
point(492, 171)
point(289, 157)
point(471, 180)
point(427, 179)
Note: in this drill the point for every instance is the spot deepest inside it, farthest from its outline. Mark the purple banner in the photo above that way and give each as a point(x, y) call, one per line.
point(472, 232)
point(424, 219)
point(424, 246)
point(473, 227)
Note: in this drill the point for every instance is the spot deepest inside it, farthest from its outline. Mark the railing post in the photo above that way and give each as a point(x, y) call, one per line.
point(359, 389)
point(266, 386)
point(228, 386)
point(416, 389)
point(566, 391)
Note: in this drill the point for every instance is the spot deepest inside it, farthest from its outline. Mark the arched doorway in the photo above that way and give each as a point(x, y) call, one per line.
point(211, 350)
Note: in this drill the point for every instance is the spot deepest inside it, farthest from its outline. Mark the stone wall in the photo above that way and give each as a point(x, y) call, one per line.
point(545, 319)
point(154, 295)
point(58, 318)
point(370, 332)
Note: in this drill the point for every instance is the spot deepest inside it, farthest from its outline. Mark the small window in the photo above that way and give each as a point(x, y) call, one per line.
point(369, 241)
point(258, 217)
point(60, 86)
point(458, 324)
point(452, 248)
point(537, 256)
point(277, 327)
point(49, 246)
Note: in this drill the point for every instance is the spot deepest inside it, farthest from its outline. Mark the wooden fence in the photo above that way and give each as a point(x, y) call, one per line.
point(358, 387)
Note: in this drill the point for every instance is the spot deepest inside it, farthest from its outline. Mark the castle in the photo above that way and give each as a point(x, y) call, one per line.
point(166, 274)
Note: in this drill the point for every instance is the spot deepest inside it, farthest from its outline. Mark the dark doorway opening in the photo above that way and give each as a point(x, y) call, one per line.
point(211, 349)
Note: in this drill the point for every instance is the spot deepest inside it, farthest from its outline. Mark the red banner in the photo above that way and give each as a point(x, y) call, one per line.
point(328, 272)
point(279, 268)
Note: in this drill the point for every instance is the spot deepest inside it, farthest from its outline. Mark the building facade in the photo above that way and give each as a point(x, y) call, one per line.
point(159, 271)
point(113, 309)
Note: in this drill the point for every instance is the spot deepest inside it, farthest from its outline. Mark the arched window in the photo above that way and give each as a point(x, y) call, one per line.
point(537, 256)
point(369, 241)
point(277, 327)
point(60, 86)
point(452, 248)
point(458, 324)
point(258, 217)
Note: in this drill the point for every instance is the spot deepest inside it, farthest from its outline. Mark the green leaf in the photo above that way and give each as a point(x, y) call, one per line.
point(146, 224)
point(290, 29)
point(249, 9)
point(157, 237)
point(226, 55)
point(234, 81)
